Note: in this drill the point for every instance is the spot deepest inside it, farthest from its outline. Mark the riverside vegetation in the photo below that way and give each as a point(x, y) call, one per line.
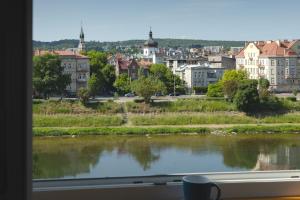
point(199, 116)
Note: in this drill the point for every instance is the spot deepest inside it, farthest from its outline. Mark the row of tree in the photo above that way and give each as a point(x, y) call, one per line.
point(246, 93)
point(49, 78)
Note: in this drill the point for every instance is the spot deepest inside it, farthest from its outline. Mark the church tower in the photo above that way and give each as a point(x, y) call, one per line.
point(150, 46)
point(81, 45)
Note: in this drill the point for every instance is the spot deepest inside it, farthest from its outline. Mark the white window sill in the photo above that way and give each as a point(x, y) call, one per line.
point(169, 187)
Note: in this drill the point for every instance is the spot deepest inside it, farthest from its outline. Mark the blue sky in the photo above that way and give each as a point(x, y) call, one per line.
point(114, 20)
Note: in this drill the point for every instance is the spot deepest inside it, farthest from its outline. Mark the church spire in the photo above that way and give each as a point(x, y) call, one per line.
point(150, 33)
point(81, 45)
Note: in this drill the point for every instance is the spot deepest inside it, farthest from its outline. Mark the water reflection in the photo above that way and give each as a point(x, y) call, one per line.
point(107, 156)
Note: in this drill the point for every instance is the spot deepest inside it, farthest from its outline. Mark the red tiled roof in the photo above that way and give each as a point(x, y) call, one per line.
point(59, 52)
point(125, 64)
point(273, 48)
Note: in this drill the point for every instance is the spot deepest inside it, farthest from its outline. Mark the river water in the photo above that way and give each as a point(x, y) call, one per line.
point(115, 156)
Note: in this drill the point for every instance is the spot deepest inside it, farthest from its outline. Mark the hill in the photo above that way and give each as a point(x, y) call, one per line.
point(96, 45)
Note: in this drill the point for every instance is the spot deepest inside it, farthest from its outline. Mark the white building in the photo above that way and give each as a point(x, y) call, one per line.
point(151, 52)
point(277, 61)
point(199, 75)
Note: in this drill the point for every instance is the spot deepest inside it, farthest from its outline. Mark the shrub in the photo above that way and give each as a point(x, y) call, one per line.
point(247, 98)
point(200, 90)
point(215, 90)
point(83, 95)
point(291, 98)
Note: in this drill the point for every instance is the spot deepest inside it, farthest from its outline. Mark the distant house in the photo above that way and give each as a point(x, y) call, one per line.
point(75, 64)
point(131, 67)
point(199, 75)
point(278, 61)
point(220, 61)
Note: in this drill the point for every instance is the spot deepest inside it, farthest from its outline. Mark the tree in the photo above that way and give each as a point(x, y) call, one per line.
point(165, 75)
point(246, 98)
point(215, 90)
point(93, 85)
point(264, 94)
point(104, 72)
point(84, 95)
point(147, 86)
point(48, 76)
point(122, 84)
point(230, 82)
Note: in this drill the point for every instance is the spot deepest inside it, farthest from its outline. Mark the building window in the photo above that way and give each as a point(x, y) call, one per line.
point(272, 62)
point(287, 62)
point(272, 81)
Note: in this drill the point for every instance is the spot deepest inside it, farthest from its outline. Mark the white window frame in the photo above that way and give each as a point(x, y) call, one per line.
point(169, 187)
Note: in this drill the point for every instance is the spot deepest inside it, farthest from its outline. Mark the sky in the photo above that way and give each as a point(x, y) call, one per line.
point(117, 20)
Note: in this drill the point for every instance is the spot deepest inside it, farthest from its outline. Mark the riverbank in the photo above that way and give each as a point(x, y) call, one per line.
point(55, 118)
point(228, 129)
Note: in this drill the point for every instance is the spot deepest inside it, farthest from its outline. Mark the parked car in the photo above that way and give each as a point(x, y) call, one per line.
point(129, 94)
point(158, 94)
point(172, 94)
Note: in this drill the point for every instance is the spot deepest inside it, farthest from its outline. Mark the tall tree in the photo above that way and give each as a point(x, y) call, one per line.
point(93, 85)
point(165, 75)
point(122, 84)
point(48, 76)
point(147, 87)
point(104, 72)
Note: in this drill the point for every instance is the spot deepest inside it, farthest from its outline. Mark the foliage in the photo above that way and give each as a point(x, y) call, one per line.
point(263, 83)
point(291, 98)
point(247, 98)
point(230, 82)
point(48, 76)
point(215, 90)
point(83, 95)
point(200, 90)
point(134, 44)
point(93, 85)
point(295, 92)
point(122, 84)
point(104, 72)
point(165, 75)
point(147, 86)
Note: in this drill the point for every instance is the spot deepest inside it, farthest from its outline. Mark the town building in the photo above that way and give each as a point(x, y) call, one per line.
point(131, 67)
point(278, 61)
point(81, 45)
point(151, 51)
point(235, 50)
point(199, 75)
point(221, 61)
point(213, 49)
point(75, 64)
point(174, 63)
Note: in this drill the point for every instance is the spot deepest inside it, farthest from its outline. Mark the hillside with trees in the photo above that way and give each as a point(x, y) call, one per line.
point(109, 46)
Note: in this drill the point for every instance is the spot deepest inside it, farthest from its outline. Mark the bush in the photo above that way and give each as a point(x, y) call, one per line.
point(200, 90)
point(215, 90)
point(291, 98)
point(83, 95)
point(247, 98)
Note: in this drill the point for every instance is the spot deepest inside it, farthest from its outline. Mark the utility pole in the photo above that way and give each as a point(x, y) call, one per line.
point(174, 85)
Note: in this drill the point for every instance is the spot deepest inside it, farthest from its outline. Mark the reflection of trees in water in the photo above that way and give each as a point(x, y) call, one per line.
point(64, 158)
point(56, 157)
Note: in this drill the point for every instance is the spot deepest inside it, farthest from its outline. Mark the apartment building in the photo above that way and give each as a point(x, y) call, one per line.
point(199, 75)
point(278, 61)
point(75, 64)
point(221, 61)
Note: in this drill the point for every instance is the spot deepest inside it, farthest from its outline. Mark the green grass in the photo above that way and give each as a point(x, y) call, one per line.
point(209, 118)
point(249, 129)
point(75, 107)
point(193, 118)
point(47, 131)
point(181, 105)
point(72, 120)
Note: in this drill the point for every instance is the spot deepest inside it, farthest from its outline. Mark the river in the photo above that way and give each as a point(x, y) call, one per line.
point(115, 156)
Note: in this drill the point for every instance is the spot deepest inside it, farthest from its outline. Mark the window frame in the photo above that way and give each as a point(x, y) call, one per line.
point(18, 185)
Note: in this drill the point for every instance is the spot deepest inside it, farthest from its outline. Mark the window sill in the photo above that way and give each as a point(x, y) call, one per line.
point(169, 187)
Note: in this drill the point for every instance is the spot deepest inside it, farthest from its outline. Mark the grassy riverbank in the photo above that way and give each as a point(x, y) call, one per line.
point(181, 116)
point(242, 129)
